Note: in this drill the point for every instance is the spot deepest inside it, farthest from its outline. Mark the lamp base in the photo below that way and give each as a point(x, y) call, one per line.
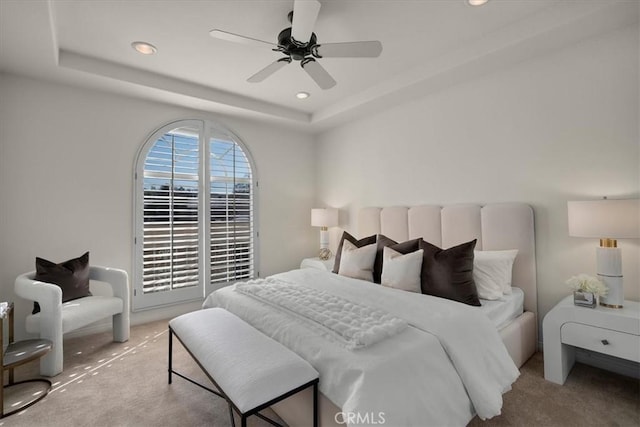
point(609, 266)
point(615, 292)
point(325, 254)
point(611, 306)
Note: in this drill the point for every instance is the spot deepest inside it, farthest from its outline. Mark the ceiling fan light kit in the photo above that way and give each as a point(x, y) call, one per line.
point(299, 43)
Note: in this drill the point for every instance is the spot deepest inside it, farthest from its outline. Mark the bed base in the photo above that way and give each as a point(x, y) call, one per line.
point(519, 337)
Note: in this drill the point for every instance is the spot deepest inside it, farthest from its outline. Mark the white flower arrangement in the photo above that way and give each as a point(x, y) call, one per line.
point(586, 283)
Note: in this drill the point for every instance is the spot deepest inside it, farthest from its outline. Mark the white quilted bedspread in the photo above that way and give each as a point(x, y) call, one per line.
point(448, 364)
point(351, 324)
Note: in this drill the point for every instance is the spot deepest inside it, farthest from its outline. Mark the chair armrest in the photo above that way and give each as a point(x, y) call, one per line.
point(117, 278)
point(48, 295)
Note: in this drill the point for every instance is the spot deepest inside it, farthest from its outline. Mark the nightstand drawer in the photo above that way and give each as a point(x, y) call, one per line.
point(613, 343)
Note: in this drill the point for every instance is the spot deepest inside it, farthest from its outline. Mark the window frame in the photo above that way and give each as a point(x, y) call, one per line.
point(207, 129)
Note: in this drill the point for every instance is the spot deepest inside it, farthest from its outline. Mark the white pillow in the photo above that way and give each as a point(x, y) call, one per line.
point(357, 262)
point(402, 271)
point(492, 271)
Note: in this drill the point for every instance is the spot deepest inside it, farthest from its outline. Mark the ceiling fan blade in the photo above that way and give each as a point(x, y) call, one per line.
point(268, 70)
point(318, 73)
point(225, 35)
point(369, 49)
point(305, 13)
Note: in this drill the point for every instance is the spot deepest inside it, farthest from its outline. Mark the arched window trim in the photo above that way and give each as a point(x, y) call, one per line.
point(206, 129)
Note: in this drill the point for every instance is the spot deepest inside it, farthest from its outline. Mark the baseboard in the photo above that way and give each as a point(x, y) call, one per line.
point(609, 363)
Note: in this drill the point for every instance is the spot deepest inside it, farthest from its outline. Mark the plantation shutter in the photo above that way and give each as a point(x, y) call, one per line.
point(231, 209)
point(170, 212)
point(194, 217)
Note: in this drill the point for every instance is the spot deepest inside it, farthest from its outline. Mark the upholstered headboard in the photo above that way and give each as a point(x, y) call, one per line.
point(497, 226)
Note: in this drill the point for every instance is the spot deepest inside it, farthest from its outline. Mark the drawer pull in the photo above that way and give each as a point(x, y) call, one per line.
point(604, 342)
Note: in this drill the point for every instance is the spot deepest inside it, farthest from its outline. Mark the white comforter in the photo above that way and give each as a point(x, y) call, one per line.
point(447, 364)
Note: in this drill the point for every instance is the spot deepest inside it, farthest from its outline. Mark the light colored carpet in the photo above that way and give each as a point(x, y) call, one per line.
point(589, 397)
point(125, 384)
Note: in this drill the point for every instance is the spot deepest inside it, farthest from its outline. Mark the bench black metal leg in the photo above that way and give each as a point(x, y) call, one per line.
point(170, 352)
point(243, 420)
point(233, 421)
point(315, 405)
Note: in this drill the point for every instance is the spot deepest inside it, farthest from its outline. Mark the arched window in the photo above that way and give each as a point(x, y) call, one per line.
point(194, 216)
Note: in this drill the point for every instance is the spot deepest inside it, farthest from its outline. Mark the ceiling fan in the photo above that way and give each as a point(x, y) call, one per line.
point(299, 43)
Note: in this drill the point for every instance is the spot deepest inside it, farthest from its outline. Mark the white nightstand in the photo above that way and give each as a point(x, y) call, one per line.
point(611, 331)
point(318, 263)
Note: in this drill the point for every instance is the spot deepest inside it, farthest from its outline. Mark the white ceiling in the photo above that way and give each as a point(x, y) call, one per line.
point(427, 45)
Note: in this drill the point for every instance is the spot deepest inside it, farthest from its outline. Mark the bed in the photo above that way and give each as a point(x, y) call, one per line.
point(443, 389)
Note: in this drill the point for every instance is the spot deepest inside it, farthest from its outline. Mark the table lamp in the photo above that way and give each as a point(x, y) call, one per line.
point(324, 218)
point(607, 220)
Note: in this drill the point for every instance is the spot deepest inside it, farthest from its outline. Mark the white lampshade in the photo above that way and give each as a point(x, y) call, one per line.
point(324, 217)
point(614, 219)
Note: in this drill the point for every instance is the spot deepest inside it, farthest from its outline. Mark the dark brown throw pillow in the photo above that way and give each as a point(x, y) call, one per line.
point(72, 276)
point(403, 248)
point(448, 273)
point(358, 244)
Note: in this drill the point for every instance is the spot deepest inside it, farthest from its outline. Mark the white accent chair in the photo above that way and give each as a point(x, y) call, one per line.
point(56, 318)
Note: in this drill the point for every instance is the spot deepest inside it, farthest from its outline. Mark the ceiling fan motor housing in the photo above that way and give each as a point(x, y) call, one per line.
point(294, 48)
point(305, 50)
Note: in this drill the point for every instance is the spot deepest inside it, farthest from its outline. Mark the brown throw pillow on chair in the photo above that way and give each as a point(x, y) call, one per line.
point(72, 276)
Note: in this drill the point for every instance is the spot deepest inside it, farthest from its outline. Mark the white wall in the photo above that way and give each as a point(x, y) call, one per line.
point(555, 128)
point(66, 181)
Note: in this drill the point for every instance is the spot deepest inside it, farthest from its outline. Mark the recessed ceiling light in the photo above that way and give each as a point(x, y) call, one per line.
point(302, 95)
point(477, 2)
point(144, 48)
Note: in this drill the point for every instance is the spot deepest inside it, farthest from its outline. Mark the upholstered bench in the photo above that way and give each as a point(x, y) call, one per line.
point(250, 370)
